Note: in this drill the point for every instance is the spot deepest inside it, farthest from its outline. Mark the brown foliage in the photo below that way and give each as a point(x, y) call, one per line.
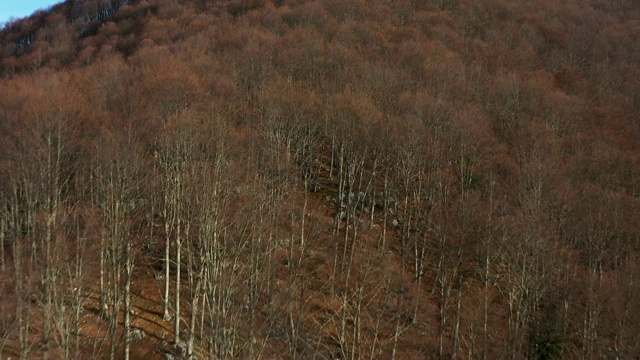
point(343, 178)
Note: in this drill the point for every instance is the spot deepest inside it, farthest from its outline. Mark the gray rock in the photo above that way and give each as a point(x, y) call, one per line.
point(137, 334)
point(181, 348)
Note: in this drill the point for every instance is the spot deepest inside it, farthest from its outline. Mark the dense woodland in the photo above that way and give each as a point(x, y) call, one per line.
point(323, 179)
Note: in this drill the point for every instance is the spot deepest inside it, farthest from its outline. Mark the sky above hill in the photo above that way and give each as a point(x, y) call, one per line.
point(22, 8)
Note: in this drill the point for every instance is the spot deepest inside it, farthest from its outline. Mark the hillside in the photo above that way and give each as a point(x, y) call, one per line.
point(322, 179)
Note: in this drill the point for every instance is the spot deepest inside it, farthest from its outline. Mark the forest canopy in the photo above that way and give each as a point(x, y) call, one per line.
point(323, 178)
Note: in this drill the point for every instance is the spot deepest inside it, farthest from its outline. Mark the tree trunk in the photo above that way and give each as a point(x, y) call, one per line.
point(176, 320)
point(167, 263)
point(456, 328)
point(2, 230)
point(127, 298)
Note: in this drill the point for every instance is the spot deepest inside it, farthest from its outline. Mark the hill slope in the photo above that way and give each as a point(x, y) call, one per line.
point(329, 178)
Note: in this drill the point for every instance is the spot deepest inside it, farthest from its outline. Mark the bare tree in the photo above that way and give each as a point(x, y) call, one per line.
point(117, 173)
